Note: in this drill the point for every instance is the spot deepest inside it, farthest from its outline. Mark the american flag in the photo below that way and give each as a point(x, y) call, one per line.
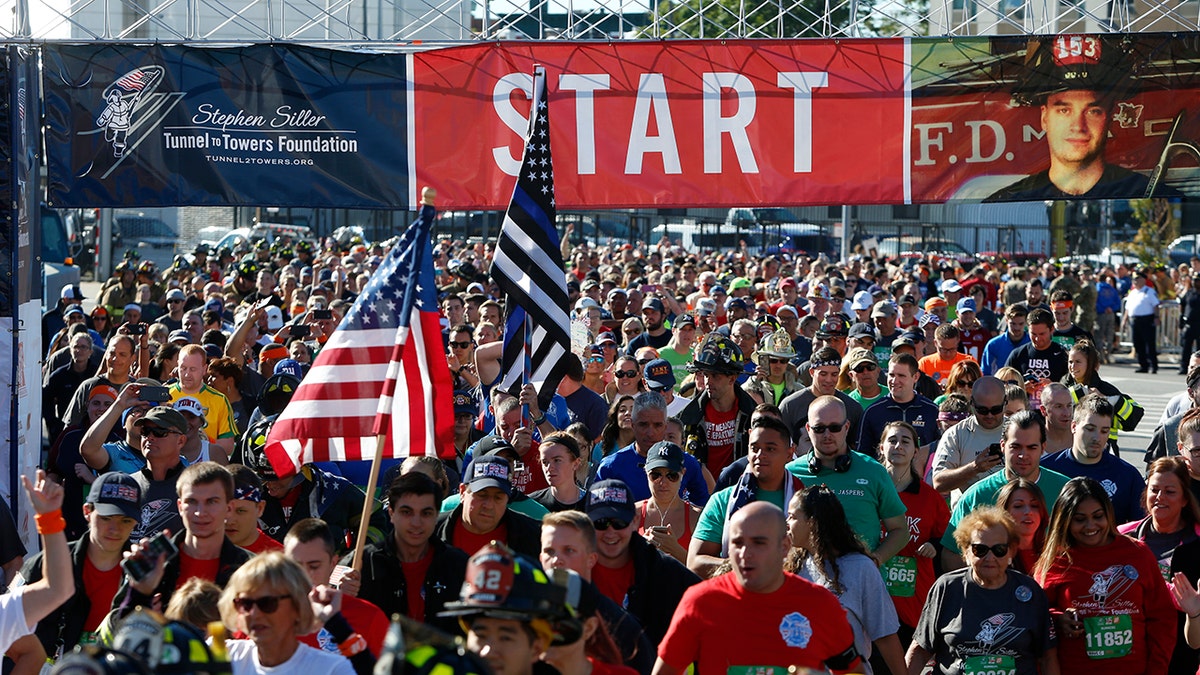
point(343, 402)
point(528, 265)
point(134, 80)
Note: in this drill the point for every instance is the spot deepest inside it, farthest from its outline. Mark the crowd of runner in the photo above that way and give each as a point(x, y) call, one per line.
point(752, 462)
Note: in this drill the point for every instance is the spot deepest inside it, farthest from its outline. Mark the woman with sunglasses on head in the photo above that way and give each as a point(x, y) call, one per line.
point(271, 600)
point(985, 617)
point(627, 379)
point(909, 574)
point(1023, 500)
point(827, 552)
point(1110, 604)
point(666, 519)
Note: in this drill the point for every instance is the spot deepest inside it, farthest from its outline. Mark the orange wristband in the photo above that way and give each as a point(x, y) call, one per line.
point(50, 523)
point(352, 645)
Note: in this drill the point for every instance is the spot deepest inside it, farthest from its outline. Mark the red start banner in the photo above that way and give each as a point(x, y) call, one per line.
point(814, 122)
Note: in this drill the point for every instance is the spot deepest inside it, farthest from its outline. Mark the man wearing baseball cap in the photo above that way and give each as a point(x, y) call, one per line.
point(52, 320)
point(679, 350)
point(484, 514)
point(659, 376)
point(656, 335)
point(173, 319)
point(164, 433)
point(112, 510)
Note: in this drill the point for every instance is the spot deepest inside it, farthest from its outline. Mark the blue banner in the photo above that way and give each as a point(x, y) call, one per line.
point(259, 125)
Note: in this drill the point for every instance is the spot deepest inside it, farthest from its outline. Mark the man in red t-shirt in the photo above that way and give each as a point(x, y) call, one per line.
point(716, 423)
point(781, 620)
point(973, 336)
point(310, 543)
point(112, 510)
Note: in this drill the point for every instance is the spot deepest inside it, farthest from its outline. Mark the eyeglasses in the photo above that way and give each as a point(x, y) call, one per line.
point(776, 361)
point(606, 523)
point(461, 345)
point(831, 428)
point(267, 604)
point(865, 368)
point(626, 373)
point(994, 410)
point(981, 550)
point(1195, 452)
point(158, 432)
point(672, 476)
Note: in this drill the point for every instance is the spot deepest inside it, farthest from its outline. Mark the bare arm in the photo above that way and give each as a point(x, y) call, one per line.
point(951, 561)
point(11, 568)
point(57, 584)
point(704, 557)
point(236, 347)
point(28, 655)
point(896, 538)
point(952, 479)
point(893, 653)
point(91, 448)
point(1048, 663)
point(917, 657)
point(661, 668)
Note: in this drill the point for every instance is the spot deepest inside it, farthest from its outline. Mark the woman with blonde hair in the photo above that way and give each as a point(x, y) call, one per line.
point(271, 600)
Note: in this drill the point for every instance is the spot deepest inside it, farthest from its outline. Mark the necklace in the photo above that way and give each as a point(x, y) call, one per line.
point(662, 513)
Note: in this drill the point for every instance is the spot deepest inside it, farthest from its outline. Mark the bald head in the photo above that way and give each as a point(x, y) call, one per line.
point(758, 543)
point(987, 402)
point(831, 403)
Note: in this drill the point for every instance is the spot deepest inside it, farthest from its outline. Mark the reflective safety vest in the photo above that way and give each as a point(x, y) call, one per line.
point(1127, 412)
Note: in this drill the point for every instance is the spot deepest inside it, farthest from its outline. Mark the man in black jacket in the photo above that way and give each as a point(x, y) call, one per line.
point(1189, 322)
point(412, 556)
point(657, 580)
point(112, 510)
point(205, 490)
point(484, 515)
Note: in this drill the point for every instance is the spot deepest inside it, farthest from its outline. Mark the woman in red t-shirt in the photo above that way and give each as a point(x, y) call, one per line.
point(1108, 599)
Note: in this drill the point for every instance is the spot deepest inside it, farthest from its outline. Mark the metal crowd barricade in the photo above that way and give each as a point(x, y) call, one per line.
point(1168, 329)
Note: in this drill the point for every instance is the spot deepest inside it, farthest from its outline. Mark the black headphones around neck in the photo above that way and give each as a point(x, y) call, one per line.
point(840, 465)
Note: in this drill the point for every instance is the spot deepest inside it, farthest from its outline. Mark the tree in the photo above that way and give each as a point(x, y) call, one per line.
point(1159, 226)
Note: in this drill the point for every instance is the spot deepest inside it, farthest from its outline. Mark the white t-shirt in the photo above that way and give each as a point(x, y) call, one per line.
point(243, 657)
point(12, 619)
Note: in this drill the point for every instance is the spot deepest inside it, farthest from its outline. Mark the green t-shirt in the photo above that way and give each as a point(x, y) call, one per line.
point(525, 506)
point(984, 493)
point(711, 525)
point(866, 402)
point(866, 492)
point(678, 363)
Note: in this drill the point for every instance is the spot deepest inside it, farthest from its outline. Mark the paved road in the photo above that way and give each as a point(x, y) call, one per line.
point(1151, 391)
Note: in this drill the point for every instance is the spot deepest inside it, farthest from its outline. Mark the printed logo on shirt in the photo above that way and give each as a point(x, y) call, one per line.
point(919, 422)
point(1039, 368)
point(796, 630)
point(721, 434)
point(325, 641)
point(914, 526)
point(1109, 487)
point(997, 630)
point(1108, 585)
point(155, 515)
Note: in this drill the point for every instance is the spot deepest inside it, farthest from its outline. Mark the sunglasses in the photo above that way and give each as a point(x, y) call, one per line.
point(981, 550)
point(625, 373)
point(461, 345)
point(865, 368)
point(672, 476)
point(595, 359)
point(776, 361)
point(268, 604)
point(634, 333)
point(172, 302)
point(158, 432)
point(994, 410)
point(606, 523)
point(831, 428)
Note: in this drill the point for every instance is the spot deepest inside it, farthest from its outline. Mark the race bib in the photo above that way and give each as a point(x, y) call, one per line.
point(1108, 637)
point(756, 670)
point(990, 664)
point(900, 576)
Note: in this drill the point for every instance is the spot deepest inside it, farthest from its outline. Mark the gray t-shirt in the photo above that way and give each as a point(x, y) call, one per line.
point(863, 595)
point(964, 620)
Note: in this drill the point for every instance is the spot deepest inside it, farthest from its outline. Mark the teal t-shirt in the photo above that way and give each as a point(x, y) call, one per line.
point(984, 493)
point(866, 402)
point(711, 525)
point(866, 492)
point(525, 506)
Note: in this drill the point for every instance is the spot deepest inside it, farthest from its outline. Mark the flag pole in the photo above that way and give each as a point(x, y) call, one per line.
point(427, 196)
point(528, 365)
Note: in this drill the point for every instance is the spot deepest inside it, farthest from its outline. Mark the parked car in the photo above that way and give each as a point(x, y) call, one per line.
point(913, 246)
